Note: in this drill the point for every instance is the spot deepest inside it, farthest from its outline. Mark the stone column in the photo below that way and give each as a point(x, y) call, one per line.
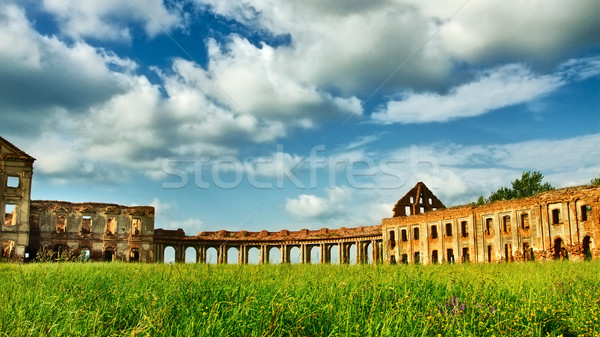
point(262, 252)
point(304, 255)
point(242, 255)
point(222, 254)
point(283, 253)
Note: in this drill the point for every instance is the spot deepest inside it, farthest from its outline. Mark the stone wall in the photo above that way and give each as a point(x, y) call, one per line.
point(563, 223)
point(95, 231)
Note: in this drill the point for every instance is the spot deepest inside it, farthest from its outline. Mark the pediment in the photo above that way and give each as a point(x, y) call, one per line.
point(9, 151)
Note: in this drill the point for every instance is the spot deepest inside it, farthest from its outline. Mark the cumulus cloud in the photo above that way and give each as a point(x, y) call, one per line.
point(40, 74)
point(354, 47)
point(111, 19)
point(310, 206)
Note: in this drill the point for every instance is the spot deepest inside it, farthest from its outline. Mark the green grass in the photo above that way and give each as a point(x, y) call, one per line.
point(524, 299)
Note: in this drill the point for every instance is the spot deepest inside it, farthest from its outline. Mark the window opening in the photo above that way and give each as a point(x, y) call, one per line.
point(463, 229)
point(448, 229)
point(434, 256)
point(61, 223)
point(555, 216)
point(10, 215)
point(525, 221)
point(450, 255)
point(12, 182)
point(434, 233)
point(86, 224)
point(136, 226)
point(111, 226)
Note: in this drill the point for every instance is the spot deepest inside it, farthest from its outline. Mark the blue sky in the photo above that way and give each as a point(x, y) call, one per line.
point(274, 114)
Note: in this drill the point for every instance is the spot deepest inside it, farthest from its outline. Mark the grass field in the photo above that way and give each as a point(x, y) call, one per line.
point(524, 299)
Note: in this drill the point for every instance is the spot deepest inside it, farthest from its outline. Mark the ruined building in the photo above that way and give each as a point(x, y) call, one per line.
point(563, 223)
point(88, 230)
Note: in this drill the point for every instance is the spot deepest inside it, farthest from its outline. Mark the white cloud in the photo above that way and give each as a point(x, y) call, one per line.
point(111, 19)
point(463, 172)
point(493, 89)
point(354, 47)
point(309, 206)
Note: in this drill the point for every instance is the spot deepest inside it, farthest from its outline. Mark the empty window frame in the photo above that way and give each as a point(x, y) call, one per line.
point(448, 229)
point(464, 229)
point(85, 254)
point(136, 226)
point(417, 258)
point(134, 255)
point(488, 226)
point(86, 224)
point(555, 216)
point(416, 233)
point(585, 211)
point(450, 255)
point(12, 181)
point(61, 223)
point(10, 215)
point(392, 239)
point(8, 248)
point(506, 223)
point(434, 232)
point(407, 210)
point(465, 255)
point(525, 220)
point(404, 236)
point(111, 226)
point(434, 256)
point(404, 258)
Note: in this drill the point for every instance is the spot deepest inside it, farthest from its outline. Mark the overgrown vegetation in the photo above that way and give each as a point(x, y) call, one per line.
point(595, 181)
point(117, 299)
point(530, 183)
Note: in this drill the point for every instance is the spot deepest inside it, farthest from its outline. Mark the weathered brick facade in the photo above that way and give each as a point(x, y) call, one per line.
point(55, 229)
point(563, 223)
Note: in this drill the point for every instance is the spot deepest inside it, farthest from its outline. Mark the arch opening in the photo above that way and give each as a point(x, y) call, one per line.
point(274, 255)
point(212, 255)
point(334, 253)
point(315, 255)
point(253, 255)
point(169, 255)
point(233, 254)
point(190, 255)
point(295, 255)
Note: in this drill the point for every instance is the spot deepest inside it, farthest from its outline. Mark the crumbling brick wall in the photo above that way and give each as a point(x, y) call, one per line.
point(100, 232)
point(558, 224)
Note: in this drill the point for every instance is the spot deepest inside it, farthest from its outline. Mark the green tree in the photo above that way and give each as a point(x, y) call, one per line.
point(595, 181)
point(528, 185)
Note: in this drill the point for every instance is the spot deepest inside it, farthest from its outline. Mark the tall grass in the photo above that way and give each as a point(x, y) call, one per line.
point(113, 299)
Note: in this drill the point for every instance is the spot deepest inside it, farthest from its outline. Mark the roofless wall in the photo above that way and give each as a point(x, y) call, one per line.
point(558, 224)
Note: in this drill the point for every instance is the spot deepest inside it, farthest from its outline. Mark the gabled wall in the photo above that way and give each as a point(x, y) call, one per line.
point(519, 229)
point(16, 169)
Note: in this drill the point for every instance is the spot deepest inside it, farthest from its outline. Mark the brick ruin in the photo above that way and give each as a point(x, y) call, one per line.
point(558, 224)
point(92, 231)
point(563, 223)
point(55, 230)
point(359, 244)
